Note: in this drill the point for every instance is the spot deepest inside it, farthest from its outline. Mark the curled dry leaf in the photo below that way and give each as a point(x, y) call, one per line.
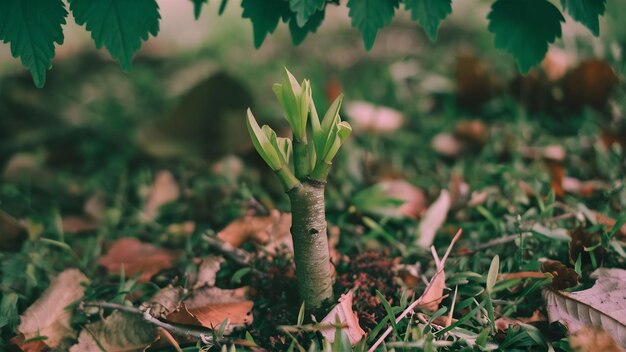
point(262, 229)
point(365, 116)
point(48, 316)
point(433, 219)
point(164, 302)
point(590, 339)
point(603, 305)
point(563, 277)
point(120, 332)
point(164, 190)
point(137, 258)
point(207, 272)
point(343, 314)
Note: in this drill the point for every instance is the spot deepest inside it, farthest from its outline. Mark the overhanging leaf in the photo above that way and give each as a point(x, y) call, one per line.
point(524, 29)
point(429, 14)
point(371, 15)
point(264, 15)
point(197, 7)
point(299, 33)
point(304, 9)
point(602, 305)
point(119, 25)
point(586, 12)
point(32, 27)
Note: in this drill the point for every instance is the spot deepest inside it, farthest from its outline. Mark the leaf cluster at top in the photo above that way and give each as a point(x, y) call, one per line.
point(33, 27)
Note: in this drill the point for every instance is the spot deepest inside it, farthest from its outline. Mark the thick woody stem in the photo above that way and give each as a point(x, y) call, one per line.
point(310, 243)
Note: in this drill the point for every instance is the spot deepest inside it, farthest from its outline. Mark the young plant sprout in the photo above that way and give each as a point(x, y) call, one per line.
point(312, 160)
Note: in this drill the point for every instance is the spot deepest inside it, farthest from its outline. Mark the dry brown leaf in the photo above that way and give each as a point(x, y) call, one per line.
point(602, 305)
point(349, 320)
point(48, 315)
point(207, 272)
point(503, 323)
point(591, 83)
point(433, 219)
point(581, 239)
point(164, 190)
point(137, 258)
point(31, 346)
point(215, 295)
point(433, 296)
point(365, 116)
point(609, 223)
point(239, 314)
point(475, 83)
point(590, 339)
point(556, 63)
point(165, 301)
point(260, 228)
point(119, 332)
point(473, 131)
point(447, 144)
point(563, 277)
point(413, 197)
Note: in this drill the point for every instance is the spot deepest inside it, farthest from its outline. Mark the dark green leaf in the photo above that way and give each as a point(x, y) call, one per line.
point(299, 33)
point(32, 27)
point(264, 15)
point(429, 14)
point(304, 9)
point(586, 12)
point(119, 25)
point(197, 7)
point(524, 29)
point(371, 15)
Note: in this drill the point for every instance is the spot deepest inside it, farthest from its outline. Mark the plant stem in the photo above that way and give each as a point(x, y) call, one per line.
point(310, 243)
point(301, 162)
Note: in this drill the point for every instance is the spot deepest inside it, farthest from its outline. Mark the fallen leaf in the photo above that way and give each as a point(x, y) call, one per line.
point(591, 83)
point(137, 258)
point(447, 144)
point(167, 300)
point(349, 320)
point(609, 223)
point(556, 63)
point(433, 219)
point(262, 229)
point(207, 272)
point(562, 276)
point(367, 117)
point(238, 314)
point(413, 197)
point(602, 305)
point(48, 316)
point(119, 332)
point(475, 132)
point(31, 346)
point(590, 339)
point(503, 323)
point(582, 239)
point(433, 295)
point(164, 190)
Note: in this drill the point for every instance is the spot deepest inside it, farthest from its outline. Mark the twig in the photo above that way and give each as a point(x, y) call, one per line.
point(237, 255)
point(419, 301)
point(181, 330)
point(496, 242)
